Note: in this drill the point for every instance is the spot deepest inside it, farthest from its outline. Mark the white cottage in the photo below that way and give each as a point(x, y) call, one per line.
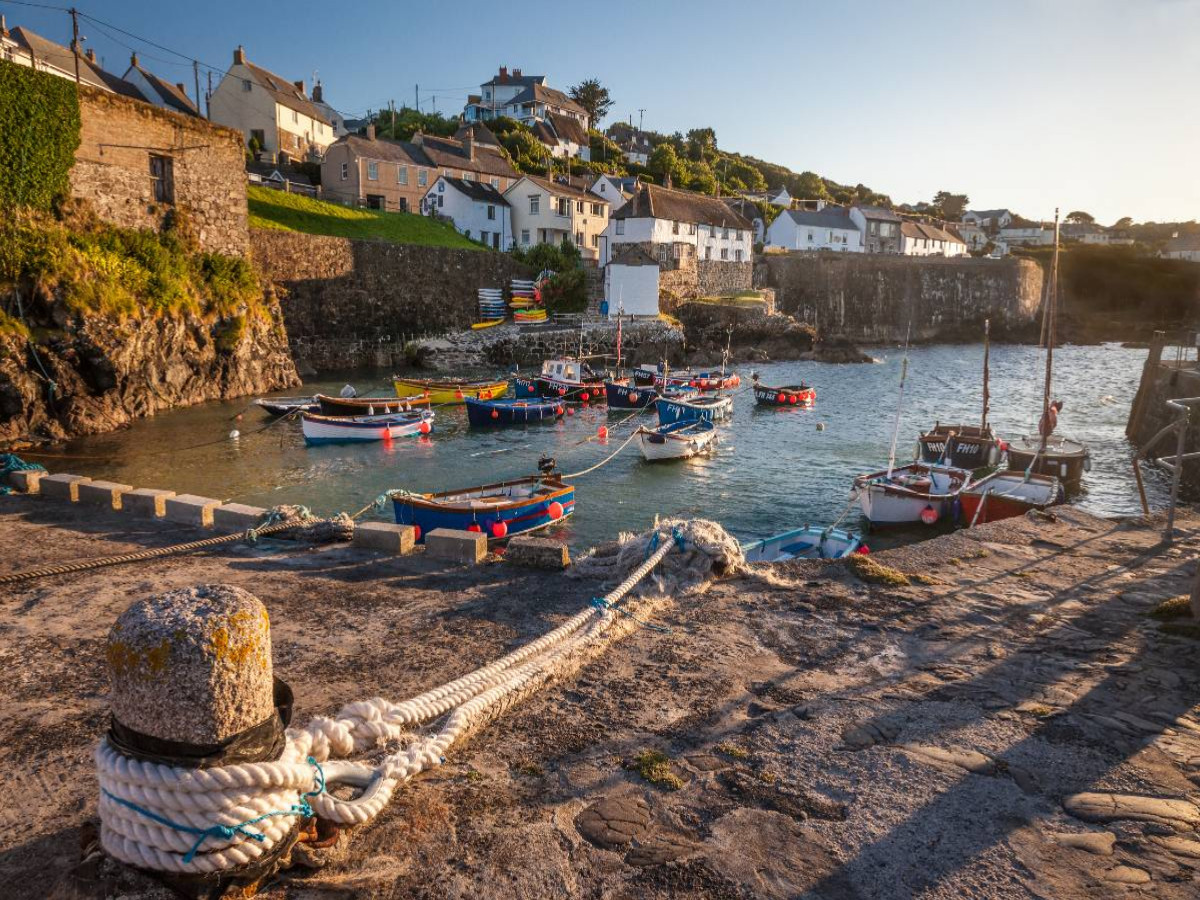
point(825, 229)
point(631, 283)
point(921, 239)
point(674, 226)
point(478, 210)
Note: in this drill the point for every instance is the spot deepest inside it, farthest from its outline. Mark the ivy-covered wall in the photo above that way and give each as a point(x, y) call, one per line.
point(39, 132)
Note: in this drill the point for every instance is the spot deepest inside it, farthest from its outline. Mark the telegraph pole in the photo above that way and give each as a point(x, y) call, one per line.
point(208, 98)
point(417, 97)
point(75, 40)
point(641, 113)
point(196, 77)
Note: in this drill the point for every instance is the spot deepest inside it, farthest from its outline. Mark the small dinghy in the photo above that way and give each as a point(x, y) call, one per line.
point(705, 406)
point(368, 406)
point(498, 510)
point(443, 392)
point(809, 542)
point(1004, 495)
point(1061, 458)
point(342, 429)
point(282, 406)
point(788, 395)
point(679, 440)
point(488, 413)
point(969, 447)
point(918, 492)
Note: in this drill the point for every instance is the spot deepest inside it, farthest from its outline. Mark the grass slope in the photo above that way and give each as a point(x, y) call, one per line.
point(292, 212)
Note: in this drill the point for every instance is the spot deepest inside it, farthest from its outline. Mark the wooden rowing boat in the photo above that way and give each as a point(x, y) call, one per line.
point(1060, 457)
point(343, 429)
point(1004, 495)
point(441, 392)
point(679, 440)
point(489, 413)
point(809, 542)
point(970, 447)
point(367, 406)
point(918, 492)
point(498, 510)
point(282, 406)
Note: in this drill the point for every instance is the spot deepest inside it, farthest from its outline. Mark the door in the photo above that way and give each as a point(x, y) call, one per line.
point(376, 201)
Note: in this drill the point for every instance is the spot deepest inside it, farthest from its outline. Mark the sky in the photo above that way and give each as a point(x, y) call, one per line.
point(1087, 105)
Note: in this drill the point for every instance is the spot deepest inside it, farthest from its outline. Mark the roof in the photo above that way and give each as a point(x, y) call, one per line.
point(480, 133)
point(514, 77)
point(269, 170)
point(744, 207)
point(988, 213)
point(449, 153)
point(544, 133)
point(633, 255)
point(566, 189)
point(170, 95)
point(654, 202)
point(823, 218)
point(922, 230)
point(476, 190)
point(878, 212)
point(1183, 242)
point(569, 129)
point(381, 148)
point(539, 93)
point(63, 59)
point(286, 93)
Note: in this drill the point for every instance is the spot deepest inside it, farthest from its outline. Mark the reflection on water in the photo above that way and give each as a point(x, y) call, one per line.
point(772, 469)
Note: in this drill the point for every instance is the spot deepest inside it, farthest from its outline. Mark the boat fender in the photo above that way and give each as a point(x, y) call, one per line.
point(779, 398)
point(929, 515)
point(863, 550)
point(234, 435)
point(792, 398)
point(570, 411)
point(585, 396)
point(474, 526)
point(425, 427)
point(555, 510)
point(416, 532)
point(495, 414)
point(499, 529)
point(1087, 463)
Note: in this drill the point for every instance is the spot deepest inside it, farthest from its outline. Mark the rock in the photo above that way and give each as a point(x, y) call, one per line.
point(968, 760)
point(537, 552)
point(614, 822)
point(1127, 875)
point(192, 665)
point(1102, 807)
point(660, 847)
point(1098, 842)
point(868, 734)
point(1179, 846)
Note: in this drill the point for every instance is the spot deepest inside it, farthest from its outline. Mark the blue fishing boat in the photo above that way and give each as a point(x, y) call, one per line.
point(809, 542)
point(524, 388)
point(498, 510)
point(621, 394)
point(487, 413)
point(708, 407)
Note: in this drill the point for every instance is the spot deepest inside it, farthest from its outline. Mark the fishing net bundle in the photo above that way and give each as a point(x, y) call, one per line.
point(309, 528)
point(707, 550)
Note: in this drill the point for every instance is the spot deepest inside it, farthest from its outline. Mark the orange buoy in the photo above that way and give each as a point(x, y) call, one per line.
point(425, 427)
point(585, 396)
point(780, 398)
point(495, 414)
point(570, 411)
point(555, 510)
point(416, 532)
point(602, 432)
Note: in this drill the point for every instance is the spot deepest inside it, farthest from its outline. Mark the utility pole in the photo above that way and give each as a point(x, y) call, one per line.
point(641, 113)
point(196, 78)
point(208, 98)
point(75, 40)
point(417, 97)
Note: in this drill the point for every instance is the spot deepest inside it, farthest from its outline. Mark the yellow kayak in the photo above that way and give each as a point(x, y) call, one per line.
point(450, 391)
point(488, 324)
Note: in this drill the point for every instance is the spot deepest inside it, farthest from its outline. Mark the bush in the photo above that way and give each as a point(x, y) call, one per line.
point(556, 258)
point(39, 131)
point(565, 292)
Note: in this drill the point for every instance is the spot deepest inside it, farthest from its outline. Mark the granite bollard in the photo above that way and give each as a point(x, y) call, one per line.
point(105, 494)
point(456, 546)
point(61, 486)
point(384, 536)
point(537, 552)
point(188, 509)
point(149, 502)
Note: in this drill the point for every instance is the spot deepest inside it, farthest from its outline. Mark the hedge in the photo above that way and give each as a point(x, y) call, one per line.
point(39, 131)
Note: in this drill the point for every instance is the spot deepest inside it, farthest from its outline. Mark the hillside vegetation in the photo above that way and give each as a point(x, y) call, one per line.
point(292, 212)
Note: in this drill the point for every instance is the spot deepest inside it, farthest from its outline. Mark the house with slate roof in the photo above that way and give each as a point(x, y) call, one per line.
point(1182, 246)
point(880, 228)
point(475, 208)
point(268, 108)
point(557, 121)
point(925, 239)
point(676, 227)
point(830, 228)
point(548, 211)
point(25, 48)
point(990, 220)
point(161, 93)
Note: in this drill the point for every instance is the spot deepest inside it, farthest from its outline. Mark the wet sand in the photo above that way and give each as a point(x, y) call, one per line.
point(816, 735)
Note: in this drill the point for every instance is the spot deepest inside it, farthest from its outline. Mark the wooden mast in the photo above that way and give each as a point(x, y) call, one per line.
point(987, 329)
point(1049, 315)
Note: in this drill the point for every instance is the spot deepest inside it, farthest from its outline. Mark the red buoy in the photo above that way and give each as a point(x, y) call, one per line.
point(474, 526)
point(792, 399)
point(929, 515)
point(780, 398)
point(632, 395)
point(499, 529)
point(425, 427)
point(562, 392)
point(585, 396)
point(555, 510)
point(602, 432)
point(495, 414)
point(416, 532)
point(863, 550)
point(458, 395)
point(560, 410)
point(570, 411)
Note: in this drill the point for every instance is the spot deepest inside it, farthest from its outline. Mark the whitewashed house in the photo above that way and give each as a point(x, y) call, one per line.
point(973, 235)
point(825, 229)
point(157, 91)
point(1183, 246)
point(677, 226)
point(922, 239)
point(616, 189)
point(478, 210)
point(1019, 234)
point(557, 121)
point(631, 283)
point(637, 149)
point(989, 219)
point(780, 198)
point(549, 212)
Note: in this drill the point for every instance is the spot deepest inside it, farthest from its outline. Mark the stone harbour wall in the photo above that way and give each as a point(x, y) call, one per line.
point(717, 277)
point(873, 298)
point(112, 171)
point(350, 304)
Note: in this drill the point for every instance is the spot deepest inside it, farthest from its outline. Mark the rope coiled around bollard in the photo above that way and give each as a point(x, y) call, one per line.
point(216, 803)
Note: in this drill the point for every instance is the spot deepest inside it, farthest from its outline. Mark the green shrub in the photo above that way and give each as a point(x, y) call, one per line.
point(230, 332)
point(39, 131)
point(565, 292)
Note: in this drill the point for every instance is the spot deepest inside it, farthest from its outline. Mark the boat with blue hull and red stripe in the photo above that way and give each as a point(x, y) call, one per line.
point(623, 394)
point(498, 510)
point(488, 413)
point(523, 388)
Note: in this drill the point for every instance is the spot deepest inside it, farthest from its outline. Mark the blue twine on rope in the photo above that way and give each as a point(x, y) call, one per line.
point(10, 462)
point(601, 604)
point(652, 546)
point(680, 541)
point(227, 832)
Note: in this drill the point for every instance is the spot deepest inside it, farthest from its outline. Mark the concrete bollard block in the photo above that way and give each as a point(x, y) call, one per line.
point(188, 509)
point(385, 536)
point(27, 480)
point(456, 546)
point(62, 486)
point(106, 494)
point(192, 665)
point(148, 502)
point(537, 553)
point(237, 516)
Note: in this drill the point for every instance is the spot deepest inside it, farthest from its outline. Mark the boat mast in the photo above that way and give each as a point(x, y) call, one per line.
point(987, 329)
point(620, 315)
point(728, 345)
point(899, 402)
point(1049, 317)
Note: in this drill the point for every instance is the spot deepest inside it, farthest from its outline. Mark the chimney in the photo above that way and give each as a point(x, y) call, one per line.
point(239, 56)
point(317, 94)
point(469, 144)
point(371, 132)
point(133, 61)
point(667, 180)
point(91, 55)
point(516, 73)
point(503, 72)
point(3, 26)
point(179, 86)
point(299, 85)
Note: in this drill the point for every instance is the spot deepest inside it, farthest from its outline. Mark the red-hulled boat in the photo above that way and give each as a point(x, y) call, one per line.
point(1004, 495)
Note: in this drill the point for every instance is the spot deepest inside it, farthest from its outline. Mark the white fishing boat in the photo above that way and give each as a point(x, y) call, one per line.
point(339, 429)
point(809, 542)
point(679, 440)
point(918, 492)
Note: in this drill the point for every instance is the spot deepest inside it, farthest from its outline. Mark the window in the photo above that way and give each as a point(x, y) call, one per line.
point(596, 240)
point(495, 240)
point(674, 228)
point(737, 254)
point(708, 252)
point(441, 200)
point(676, 250)
point(741, 236)
point(495, 182)
point(372, 171)
point(525, 236)
point(295, 116)
point(692, 228)
point(662, 252)
point(163, 178)
point(873, 228)
point(535, 204)
point(579, 239)
point(402, 174)
point(810, 236)
point(597, 209)
point(620, 226)
point(724, 253)
point(422, 177)
point(441, 187)
point(467, 176)
point(491, 213)
point(726, 234)
point(257, 134)
point(564, 206)
point(246, 84)
point(345, 171)
point(602, 186)
point(579, 207)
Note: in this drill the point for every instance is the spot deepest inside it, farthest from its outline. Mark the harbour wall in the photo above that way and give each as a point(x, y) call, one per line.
point(350, 304)
point(1164, 380)
point(873, 298)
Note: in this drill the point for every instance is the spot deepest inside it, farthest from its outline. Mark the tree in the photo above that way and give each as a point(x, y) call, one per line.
point(1079, 217)
point(810, 186)
point(665, 161)
point(593, 97)
point(701, 143)
point(950, 206)
point(1123, 222)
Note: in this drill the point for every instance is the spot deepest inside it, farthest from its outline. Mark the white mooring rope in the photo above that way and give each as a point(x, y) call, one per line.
point(136, 796)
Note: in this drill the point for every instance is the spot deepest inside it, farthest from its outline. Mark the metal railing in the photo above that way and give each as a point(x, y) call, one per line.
point(1173, 463)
